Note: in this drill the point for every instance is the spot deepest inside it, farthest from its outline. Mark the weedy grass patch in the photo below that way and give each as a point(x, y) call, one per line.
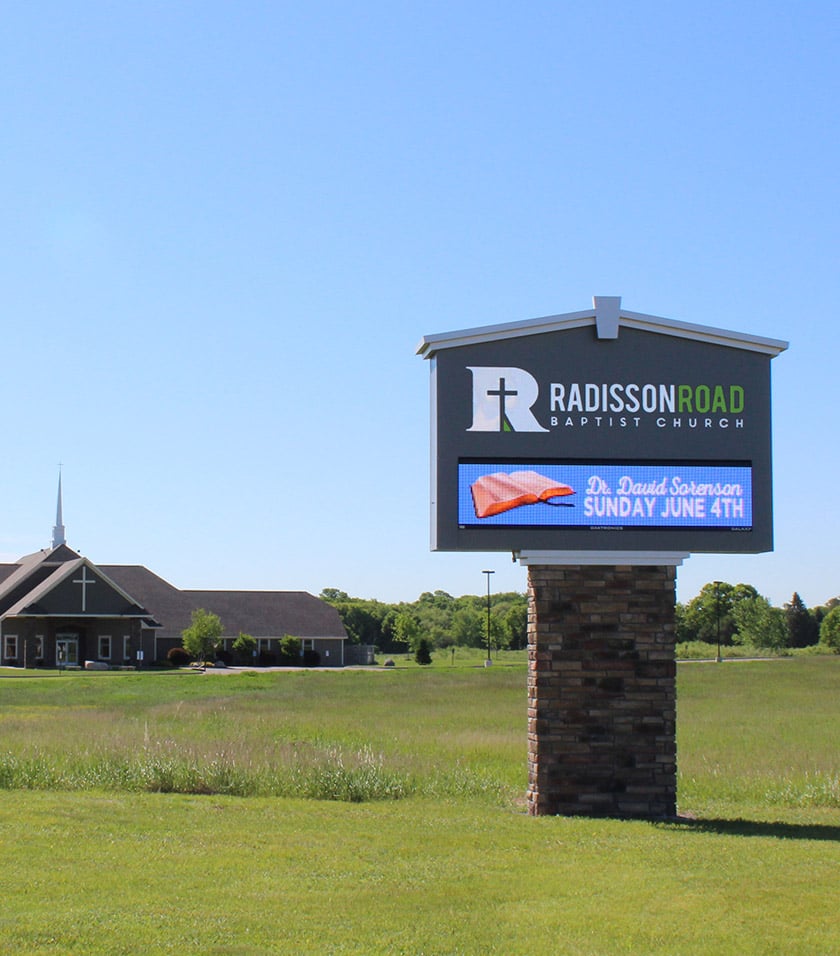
point(159, 813)
point(352, 735)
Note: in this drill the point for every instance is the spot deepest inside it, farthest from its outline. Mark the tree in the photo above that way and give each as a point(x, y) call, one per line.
point(498, 631)
point(434, 613)
point(709, 616)
point(820, 612)
point(407, 630)
point(802, 628)
point(830, 630)
point(203, 634)
point(363, 620)
point(759, 624)
point(516, 624)
point(468, 627)
point(682, 630)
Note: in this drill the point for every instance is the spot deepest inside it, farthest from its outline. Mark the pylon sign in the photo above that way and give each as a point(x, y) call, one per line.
point(601, 430)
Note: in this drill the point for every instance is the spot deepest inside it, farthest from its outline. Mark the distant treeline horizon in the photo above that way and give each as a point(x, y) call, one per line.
point(722, 613)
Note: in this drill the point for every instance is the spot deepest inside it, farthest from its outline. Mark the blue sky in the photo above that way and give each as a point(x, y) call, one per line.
point(226, 226)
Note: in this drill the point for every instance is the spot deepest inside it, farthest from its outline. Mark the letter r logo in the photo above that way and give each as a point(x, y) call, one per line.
point(502, 400)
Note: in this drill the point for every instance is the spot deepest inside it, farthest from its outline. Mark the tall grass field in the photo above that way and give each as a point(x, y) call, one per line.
point(381, 811)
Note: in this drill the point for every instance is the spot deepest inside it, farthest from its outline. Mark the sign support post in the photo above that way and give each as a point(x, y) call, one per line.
point(601, 690)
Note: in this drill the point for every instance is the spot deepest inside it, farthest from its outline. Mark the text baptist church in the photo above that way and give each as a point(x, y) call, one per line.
point(58, 607)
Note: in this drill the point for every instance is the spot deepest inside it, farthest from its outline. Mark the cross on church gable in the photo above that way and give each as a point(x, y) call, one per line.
point(73, 588)
point(84, 581)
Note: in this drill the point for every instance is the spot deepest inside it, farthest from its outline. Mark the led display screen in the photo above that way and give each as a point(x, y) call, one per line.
point(552, 494)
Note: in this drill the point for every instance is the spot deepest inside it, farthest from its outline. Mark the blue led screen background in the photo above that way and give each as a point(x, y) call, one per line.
point(605, 495)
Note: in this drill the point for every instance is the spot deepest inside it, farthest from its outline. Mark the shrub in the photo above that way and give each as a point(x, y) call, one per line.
point(224, 656)
point(423, 654)
point(289, 648)
point(245, 648)
point(178, 657)
point(311, 658)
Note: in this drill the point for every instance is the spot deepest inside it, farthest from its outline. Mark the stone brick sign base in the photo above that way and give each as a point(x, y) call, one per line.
point(602, 691)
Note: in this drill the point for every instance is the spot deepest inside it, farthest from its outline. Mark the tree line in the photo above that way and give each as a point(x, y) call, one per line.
point(731, 614)
point(722, 613)
point(437, 617)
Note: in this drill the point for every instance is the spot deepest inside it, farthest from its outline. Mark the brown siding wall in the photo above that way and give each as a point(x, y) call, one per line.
point(87, 632)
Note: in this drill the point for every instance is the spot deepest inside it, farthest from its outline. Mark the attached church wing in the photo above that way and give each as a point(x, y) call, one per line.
point(258, 613)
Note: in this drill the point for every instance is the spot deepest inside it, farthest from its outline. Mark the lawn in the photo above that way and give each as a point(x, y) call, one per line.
point(442, 859)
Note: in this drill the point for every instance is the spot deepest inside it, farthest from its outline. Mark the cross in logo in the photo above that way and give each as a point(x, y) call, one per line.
point(502, 393)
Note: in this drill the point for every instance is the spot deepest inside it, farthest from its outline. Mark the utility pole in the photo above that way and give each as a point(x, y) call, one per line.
point(489, 661)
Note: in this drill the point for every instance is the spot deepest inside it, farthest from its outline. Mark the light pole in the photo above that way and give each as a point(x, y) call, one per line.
point(717, 617)
point(488, 662)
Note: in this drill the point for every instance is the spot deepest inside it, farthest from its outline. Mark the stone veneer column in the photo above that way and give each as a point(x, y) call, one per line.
point(601, 691)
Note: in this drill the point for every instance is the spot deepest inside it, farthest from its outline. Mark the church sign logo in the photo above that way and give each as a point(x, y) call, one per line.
point(507, 399)
point(502, 399)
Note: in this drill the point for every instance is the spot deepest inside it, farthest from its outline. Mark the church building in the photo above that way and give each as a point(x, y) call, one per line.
point(58, 608)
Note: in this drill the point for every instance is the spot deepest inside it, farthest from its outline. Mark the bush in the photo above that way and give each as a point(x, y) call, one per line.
point(245, 648)
point(224, 656)
point(178, 657)
point(423, 654)
point(311, 658)
point(289, 648)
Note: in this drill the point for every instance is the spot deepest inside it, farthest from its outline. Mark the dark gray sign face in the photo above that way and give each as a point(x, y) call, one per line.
point(564, 441)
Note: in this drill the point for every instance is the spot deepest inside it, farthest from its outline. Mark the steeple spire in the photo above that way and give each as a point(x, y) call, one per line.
point(58, 530)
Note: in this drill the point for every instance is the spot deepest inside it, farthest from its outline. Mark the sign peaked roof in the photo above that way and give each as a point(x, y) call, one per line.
point(608, 318)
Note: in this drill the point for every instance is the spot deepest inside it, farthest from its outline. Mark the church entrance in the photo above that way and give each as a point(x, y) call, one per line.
point(66, 650)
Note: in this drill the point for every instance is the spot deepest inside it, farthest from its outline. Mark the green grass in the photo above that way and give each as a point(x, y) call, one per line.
point(759, 734)
point(446, 864)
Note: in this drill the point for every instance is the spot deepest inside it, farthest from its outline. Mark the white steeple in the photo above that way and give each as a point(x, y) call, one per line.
point(58, 530)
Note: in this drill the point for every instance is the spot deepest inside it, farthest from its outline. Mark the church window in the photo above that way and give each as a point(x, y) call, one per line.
point(11, 650)
point(126, 647)
point(104, 647)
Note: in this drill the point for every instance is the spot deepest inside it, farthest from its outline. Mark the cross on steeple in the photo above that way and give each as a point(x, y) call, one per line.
point(503, 393)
